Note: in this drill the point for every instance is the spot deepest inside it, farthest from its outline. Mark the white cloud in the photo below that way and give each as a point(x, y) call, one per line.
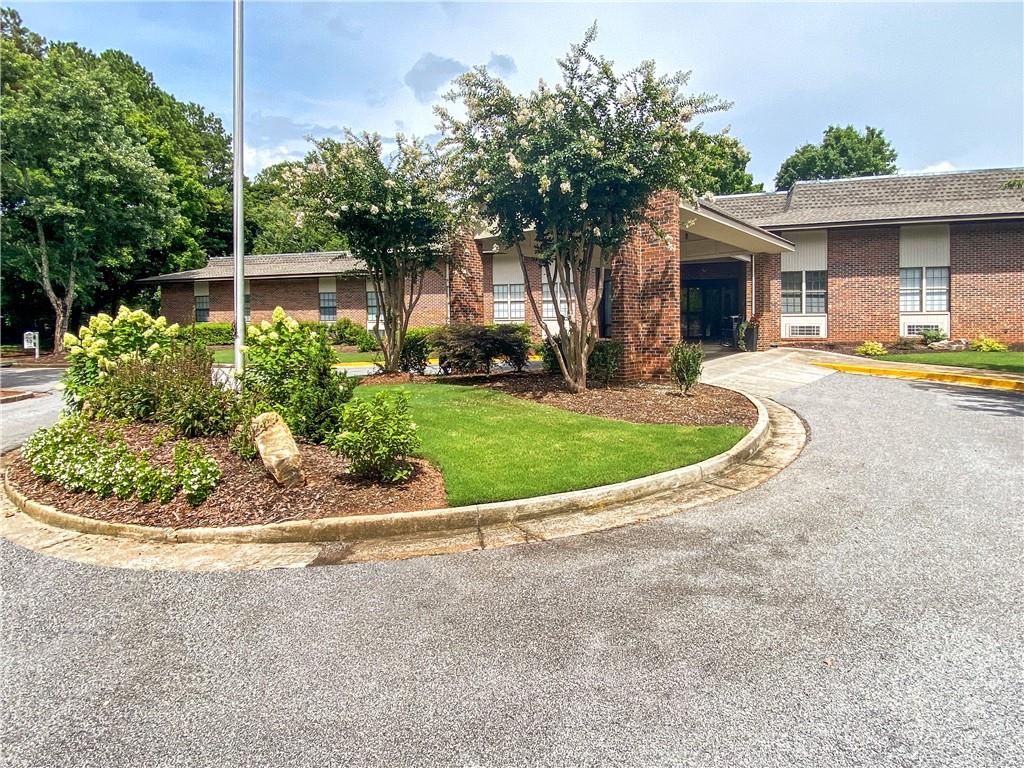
point(258, 158)
point(939, 167)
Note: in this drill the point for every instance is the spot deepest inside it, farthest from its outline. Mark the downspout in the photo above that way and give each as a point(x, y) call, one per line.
point(448, 291)
point(753, 284)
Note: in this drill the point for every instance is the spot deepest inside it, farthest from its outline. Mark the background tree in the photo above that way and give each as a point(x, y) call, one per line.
point(842, 153)
point(273, 223)
point(81, 196)
point(720, 164)
point(181, 139)
point(577, 164)
point(393, 210)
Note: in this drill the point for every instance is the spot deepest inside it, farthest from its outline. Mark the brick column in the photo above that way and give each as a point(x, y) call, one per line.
point(466, 281)
point(645, 293)
point(767, 291)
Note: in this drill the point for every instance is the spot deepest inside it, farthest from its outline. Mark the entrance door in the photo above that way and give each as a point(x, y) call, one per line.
point(708, 307)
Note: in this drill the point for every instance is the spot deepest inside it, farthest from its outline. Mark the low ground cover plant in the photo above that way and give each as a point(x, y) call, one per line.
point(871, 349)
point(82, 456)
point(377, 436)
point(290, 369)
point(986, 344)
point(464, 348)
point(685, 363)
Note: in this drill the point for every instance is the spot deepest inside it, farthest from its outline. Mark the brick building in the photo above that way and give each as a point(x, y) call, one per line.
point(845, 260)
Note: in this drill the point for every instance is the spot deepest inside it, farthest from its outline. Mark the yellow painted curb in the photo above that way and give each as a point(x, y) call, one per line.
point(990, 382)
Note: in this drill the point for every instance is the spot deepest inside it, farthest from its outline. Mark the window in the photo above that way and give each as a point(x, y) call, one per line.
point(372, 310)
point(549, 304)
point(247, 307)
point(328, 307)
point(509, 302)
point(936, 289)
point(202, 309)
point(804, 330)
point(805, 293)
point(915, 330)
point(924, 287)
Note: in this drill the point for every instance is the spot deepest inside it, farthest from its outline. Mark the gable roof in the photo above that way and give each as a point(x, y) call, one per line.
point(325, 263)
point(876, 199)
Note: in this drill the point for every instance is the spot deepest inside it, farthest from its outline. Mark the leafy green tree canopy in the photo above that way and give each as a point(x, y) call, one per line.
point(577, 164)
point(391, 208)
point(844, 152)
point(82, 194)
point(273, 220)
point(721, 163)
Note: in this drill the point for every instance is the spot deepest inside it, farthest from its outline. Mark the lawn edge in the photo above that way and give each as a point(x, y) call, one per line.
point(397, 524)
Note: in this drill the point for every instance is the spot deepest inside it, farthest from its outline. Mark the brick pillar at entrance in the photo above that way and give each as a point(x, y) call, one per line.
point(645, 293)
point(466, 289)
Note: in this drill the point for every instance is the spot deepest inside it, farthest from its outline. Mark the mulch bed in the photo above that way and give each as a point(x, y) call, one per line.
point(246, 494)
point(706, 405)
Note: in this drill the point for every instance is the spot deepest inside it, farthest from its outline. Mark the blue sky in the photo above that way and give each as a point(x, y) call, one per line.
point(945, 81)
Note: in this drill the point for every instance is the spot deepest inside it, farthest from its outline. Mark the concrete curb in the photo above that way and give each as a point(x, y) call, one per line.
point(379, 527)
point(17, 397)
point(988, 382)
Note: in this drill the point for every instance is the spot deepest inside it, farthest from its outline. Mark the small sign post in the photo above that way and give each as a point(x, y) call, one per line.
point(31, 341)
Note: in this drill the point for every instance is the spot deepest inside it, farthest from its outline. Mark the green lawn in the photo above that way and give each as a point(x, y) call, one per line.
point(491, 446)
point(993, 361)
point(228, 356)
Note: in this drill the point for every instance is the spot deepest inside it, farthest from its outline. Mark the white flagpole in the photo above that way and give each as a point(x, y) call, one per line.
point(237, 212)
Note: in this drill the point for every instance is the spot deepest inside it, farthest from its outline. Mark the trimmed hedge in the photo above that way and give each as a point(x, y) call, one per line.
point(209, 334)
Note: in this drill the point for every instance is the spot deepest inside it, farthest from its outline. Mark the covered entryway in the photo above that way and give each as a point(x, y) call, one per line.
point(716, 273)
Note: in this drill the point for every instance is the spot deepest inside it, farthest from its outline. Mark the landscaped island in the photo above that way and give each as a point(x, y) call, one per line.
point(155, 436)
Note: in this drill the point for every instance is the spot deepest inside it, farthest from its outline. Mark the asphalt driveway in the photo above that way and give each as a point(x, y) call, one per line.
point(864, 607)
point(20, 419)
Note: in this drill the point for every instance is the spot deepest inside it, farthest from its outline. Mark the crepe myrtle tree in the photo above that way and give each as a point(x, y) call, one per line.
point(393, 211)
point(577, 164)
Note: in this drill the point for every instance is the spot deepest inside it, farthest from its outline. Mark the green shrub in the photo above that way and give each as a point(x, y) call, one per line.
point(904, 344)
point(177, 389)
point(686, 361)
point(104, 341)
point(195, 471)
point(77, 456)
point(291, 369)
point(932, 335)
point(347, 332)
point(243, 442)
point(871, 349)
point(209, 334)
point(377, 437)
point(416, 350)
point(602, 365)
point(604, 361)
point(463, 348)
point(986, 344)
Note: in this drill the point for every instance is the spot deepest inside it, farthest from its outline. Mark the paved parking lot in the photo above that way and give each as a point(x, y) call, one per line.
point(862, 608)
point(20, 419)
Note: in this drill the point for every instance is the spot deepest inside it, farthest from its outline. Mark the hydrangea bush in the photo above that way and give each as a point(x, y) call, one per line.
point(290, 368)
point(106, 340)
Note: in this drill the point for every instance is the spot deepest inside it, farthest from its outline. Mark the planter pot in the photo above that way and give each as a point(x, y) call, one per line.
point(750, 338)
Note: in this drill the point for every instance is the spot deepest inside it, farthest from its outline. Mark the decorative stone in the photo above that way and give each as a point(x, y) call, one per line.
point(278, 450)
point(950, 345)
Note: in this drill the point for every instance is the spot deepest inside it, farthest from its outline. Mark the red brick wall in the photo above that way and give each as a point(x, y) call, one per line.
point(767, 293)
point(864, 284)
point(467, 282)
point(300, 298)
point(176, 303)
point(645, 293)
point(986, 291)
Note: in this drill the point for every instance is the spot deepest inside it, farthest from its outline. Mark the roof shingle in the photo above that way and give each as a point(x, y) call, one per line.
point(268, 265)
point(879, 198)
